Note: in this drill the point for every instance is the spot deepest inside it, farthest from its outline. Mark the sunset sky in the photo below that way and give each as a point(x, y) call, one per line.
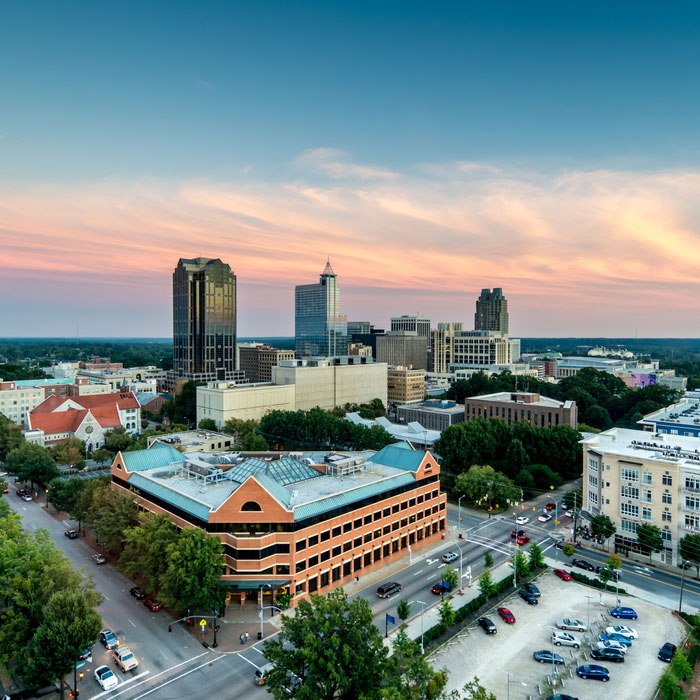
point(430, 148)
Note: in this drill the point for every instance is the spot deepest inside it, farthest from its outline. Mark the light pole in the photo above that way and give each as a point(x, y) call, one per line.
point(460, 568)
point(422, 610)
point(261, 607)
point(459, 510)
point(684, 564)
point(588, 619)
point(47, 499)
point(509, 674)
point(515, 565)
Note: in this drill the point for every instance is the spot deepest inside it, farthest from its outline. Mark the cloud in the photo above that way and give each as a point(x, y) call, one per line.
point(331, 162)
point(578, 253)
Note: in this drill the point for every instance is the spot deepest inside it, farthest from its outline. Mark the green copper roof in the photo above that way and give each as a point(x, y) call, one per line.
point(159, 454)
point(399, 457)
point(176, 498)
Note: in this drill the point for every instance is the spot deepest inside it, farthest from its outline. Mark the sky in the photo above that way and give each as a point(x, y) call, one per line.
point(430, 149)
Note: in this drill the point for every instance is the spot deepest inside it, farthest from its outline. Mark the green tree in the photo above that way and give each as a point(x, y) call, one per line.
point(650, 538)
point(488, 560)
point(516, 458)
point(518, 563)
point(536, 557)
point(63, 493)
point(111, 515)
point(403, 610)
point(253, 442)
point(486, 585)
point(451, 577)
point(68, 451)
point(486, 487)
point(182, 408)
point(447, 612)
point(568, 550)
point(473, 691)
point(195, 565)
point(680, 666)
point(103, 455)
point(670, 690)
point(207, 424)
point(598, 417)
point(572, 499)
point(117, 440)
point(81, 508)
point(30, 462)
point(332, 646)
point(603, 526)
point(613, 562)
point(689, 549)
point(10, 435)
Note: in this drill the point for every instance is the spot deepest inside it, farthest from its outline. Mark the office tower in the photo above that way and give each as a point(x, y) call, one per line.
point(362, 327)
point(319, 328)
point(418, 325)
point(402, 349)
point(204, 320)
point(257, 360)
point(491, 311)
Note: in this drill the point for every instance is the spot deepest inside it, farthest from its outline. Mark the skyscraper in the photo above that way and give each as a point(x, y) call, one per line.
point(204, 320)
point(491, 311)
point(319, 328)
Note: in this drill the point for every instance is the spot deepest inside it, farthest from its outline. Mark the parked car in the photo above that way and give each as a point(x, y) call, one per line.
point(86, 654)
point(106, 678)
point(449, 557)
point(152, 605)
point(487, 625)
point(545, 656)
point(625, 641)
point(560, 697)
point(109, 639)
point(506, 615)
point(21, 492)
point(98, 559)
point(71, 534)
point(598, 673)
point(623, 630)
point(441, 587)
point(532, 588)
point(550, 506)
point(522, 520)
point(137, 593)
point(582, 564)
point(565, 639)
point(545, 517)
point(608, 644)
point(125, 659)
point(608, 654)
point(571, 624)
point(624, 613)
point(520, 541)
point(387, 590)
point(517, 533)
point(666, 652)
point(562, 574)
point(26, 497)
point(527, 597)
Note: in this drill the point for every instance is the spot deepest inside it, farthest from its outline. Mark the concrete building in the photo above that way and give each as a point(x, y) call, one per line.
point(328, 383)
point(257, 361)
point(402, 348)
point(491, 311)
point(682, 418)
point(522, 406)
point(196, 441)
point(361, 327)
point(305, 523)
point(636, 477)
point(222, 401)
point(413, 433)
point(204, 320)
point(434, 415)
point(319, 328)
point(441, 345)
point(405, 385)
point(150, 379)
point(360, 350)
point(412, 324)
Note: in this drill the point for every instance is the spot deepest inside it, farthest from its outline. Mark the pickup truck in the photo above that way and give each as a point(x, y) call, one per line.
point(125, 659)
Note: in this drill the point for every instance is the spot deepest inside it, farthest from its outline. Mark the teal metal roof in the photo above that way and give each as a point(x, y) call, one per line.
point(275, 489)
point(43, 382)
point(284, 471)
point(399, 457)
point(310, 510)
point(159, 454)
point(180, 500)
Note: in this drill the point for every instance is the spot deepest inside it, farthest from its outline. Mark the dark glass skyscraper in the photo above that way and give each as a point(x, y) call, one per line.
point(204, 320)
point(491, 311)
point(319, 328)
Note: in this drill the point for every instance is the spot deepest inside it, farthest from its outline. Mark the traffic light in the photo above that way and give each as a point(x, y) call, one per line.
point(216, 628)
point(81, 674)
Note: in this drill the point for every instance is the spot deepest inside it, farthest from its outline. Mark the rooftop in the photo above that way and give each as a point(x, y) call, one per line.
point(44, 382)
point(522, 397)
point(685, 412)
point(413, 432)
point(191, 438)
point(437, 407)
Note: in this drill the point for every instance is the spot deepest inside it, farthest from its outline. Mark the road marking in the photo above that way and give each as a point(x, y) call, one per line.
point(131, 680)
point(255, 646)
point(442, 566)
point(131, 622)
point(248, 660)
point(418, 572)
point(164, 654)
point(182, 675)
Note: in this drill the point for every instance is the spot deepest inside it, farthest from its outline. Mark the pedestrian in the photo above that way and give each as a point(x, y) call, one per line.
point(247, 637)
point(242, 639)
point(170, 628)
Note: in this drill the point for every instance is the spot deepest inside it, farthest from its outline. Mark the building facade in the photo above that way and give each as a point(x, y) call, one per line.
point(682, 418)
point(302, 523)
point(413, 324)
point(491, 311)
point(405, 385)
point(434, 415)
point(222, 401)
point(257, 361)
point(196, 441)
point(402, 349)
point(319, 328)
point(204, 320)
point(442, 344)
point(522, 406)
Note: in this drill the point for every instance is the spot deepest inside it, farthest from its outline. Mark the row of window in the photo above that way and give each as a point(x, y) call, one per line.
point(633, 475)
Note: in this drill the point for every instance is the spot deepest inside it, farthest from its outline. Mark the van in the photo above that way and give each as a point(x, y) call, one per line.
point(259, 677)
point(388, 589)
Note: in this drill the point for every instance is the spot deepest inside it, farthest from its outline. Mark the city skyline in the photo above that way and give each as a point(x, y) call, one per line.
point(549, 150)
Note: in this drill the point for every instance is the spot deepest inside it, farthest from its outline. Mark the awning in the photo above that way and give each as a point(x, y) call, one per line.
point(252, 584)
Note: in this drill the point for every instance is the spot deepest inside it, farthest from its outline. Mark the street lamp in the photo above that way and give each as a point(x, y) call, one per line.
point(509, 674)
point(459, 510)
point(684, 566)
point(261, 606)
point(47, 499)
point(551, 639)
point(422, 610)
point(588, 619)
point(515, 565)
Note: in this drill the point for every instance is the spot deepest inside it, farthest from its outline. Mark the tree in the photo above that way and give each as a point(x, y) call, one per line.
point(613, 562)
point(111, 514)
point(195, 564)
point(117, 440)
point(573, 499)
point(68, 451)
point(403, 610)
point(568, 550)
point(689, 549)
point(486, 585)
point(603, 526)
point(486, 487)
point(473, 691)
point(536, 557)
point(446, 612)
point(63, 493)
point(518, 563)
point(670, 690)
point(207, 424)
point(488, 560)
point(183, 407)
point(10, 434)
point(451, 577)
point(30, 462)
point(103, 455)
point(253, 442)
point(332, 646)
point(516, 458)
point(680, 666)
point(650, 538)
point(598, 417)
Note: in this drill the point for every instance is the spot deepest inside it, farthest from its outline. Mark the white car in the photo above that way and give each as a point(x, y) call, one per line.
point(568, 514)
point(106, 678)
point(26, 497)
point(522, 520)
point(545, 517)
point(623, 630)
point(565, 639)
point(125, 659)
point(569, 624)
point(449, 557)
point(609, 644)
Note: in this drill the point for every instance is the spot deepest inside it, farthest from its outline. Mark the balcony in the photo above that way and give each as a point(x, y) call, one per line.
point(691, 527)
point(690, 489)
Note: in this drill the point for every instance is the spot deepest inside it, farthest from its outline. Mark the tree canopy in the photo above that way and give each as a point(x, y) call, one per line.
point(30, 462)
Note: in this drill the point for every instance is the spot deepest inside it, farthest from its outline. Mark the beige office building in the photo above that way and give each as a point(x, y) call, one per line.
point(633, 477)
point(512, 406)
point(223, 400)
point(258, 360)
point(405, 386)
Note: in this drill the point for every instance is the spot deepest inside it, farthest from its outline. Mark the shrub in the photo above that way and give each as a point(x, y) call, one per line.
point(594, 582)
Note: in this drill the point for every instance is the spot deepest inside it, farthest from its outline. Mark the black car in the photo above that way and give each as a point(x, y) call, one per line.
point(560, 697)
point(137, 593)
point(544, 656)
point(667, 651)
point(528, 597)
point(109, 639)
point(71, 534)
point(486, 625)
point(532, 588)
point(517, 533)
point(615, 655)
point(582, 564)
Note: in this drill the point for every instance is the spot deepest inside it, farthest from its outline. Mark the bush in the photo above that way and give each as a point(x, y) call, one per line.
point(595, 583)
point(434, 633)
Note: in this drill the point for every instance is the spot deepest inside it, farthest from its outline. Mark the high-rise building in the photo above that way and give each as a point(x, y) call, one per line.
point(319, 328)
point(442, 344)
point(257, 360)
point(491, 311)
point(414, 324)
point(402, 348)
point(359, 327)
point(204, 320)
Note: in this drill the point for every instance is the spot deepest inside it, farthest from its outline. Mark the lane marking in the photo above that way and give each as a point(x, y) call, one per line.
point(123, 683)
point(177, 678)
point(131, 622)
point(240, 656)
point(418, 572)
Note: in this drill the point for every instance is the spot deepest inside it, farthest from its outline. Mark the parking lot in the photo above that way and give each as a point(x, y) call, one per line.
point(489, 656)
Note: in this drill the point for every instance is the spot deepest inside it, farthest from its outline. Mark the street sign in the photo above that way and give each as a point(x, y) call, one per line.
point(202, 623)
point(390, 618)
point(80, 664)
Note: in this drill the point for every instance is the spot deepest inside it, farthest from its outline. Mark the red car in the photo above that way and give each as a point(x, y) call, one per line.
point(506, 615)
point(563, 575)
point(152, 605)
point(522, 540)
point(550, 506)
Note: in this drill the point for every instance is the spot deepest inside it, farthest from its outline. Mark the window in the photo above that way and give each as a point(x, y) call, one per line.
point(377, 515)
point(368, 519)
point(628, 526)
point(346, 568)
point(336, 551)
point(646, 514)
point(337, 531)
point(629, 491)
point(357, 524)
point(666, 535)
point(301, 545)
point(313, 584)
point(412, 503)
point(386, 512)
point(666, 516)
point(592, 464)
point(593, 480)
point(404, 505)
point(420, 498)
point(313, 561)
point(593, 497)
point(667, 480)
point(357, 542)
point(347, 546)
point(324, 579)
point(386, 530)
point(347, 527)
point(325, 556)
point(313, 540)
point(251, 505)
point(336, 573)
point(646, 479)
point(692, 502)
point(301, 565)
point(692, 522)
point(325, 535)
point(692, 484)
point(646, 496)
point(666, 498)
point(630, 474)
point(629, 510)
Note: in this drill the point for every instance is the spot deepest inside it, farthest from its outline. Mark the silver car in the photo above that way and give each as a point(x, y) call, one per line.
point(571, 624)
point(565, 639)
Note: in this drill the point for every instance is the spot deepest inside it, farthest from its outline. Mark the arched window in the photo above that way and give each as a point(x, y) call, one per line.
point(251, 505)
